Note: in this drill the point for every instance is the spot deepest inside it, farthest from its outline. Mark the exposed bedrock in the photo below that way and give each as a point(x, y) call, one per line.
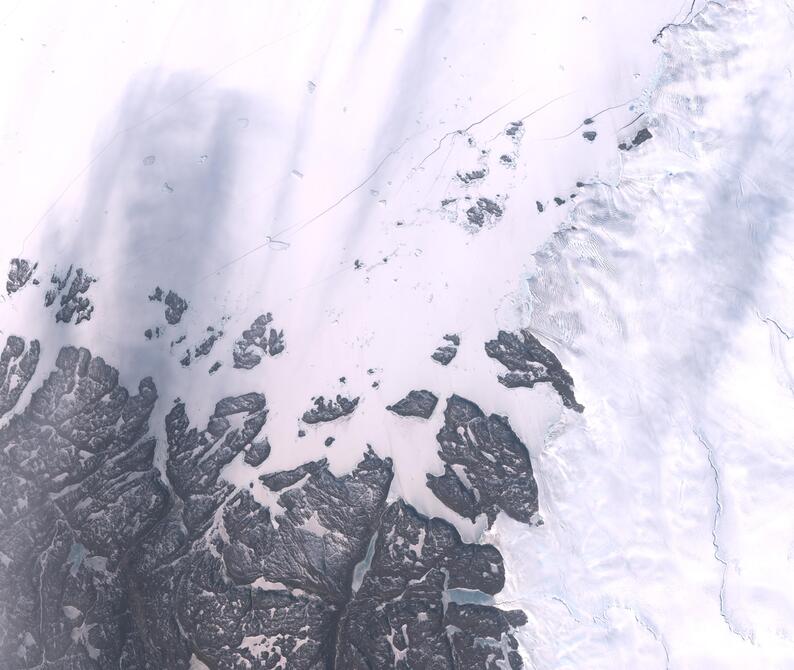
point(529, 363)
point(20, 273)
point(486, 466)
point(106, 562)
point(257, 341)
point(398, 619)
point(78, 492)
point(416, 403)
point(330, 410)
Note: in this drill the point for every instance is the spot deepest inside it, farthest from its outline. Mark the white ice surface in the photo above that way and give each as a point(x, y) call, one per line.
point(668, 539)
point(295, 137)
point(221, 100)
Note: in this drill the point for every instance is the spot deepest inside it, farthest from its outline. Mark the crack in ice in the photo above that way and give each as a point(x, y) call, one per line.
point(715, 522)
point(769, 319)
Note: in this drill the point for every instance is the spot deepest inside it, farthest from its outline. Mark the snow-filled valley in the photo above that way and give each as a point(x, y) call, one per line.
point(464, 331)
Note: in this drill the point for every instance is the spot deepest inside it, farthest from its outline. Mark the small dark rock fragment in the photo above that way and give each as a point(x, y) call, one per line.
point(215, 367)
point(539, 205)
point(559, 201)
point(328, 441)
point(589, 135)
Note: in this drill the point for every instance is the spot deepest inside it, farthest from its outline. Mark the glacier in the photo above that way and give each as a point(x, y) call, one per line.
point(396, 335)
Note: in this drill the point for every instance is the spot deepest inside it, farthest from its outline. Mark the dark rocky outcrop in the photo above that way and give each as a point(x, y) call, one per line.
point(107, 563)
point(74, 301)
point(78, 492)
point(530, 363)
point(416, 403)
point(472, 176)
point(446, 352)
point(397, 617)
point(257, 341)
point(483, 211)
point(17, 366)
point(330, 410)
point(642, 135)
point(257, 452)
point(487, 468)
point(19, 274)
point(175, 307)
point(515, 129)
point(205, 346)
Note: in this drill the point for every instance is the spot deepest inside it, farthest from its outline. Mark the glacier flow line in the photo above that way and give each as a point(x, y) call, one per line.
point(769, 319)
point(715, 522)
point(275, 238)
point(689, 18)
point(535, 111)
point(590, 119)
point(463, 131)
point(152, 116)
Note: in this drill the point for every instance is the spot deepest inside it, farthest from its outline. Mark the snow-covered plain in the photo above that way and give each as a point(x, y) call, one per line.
point(248, 157)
